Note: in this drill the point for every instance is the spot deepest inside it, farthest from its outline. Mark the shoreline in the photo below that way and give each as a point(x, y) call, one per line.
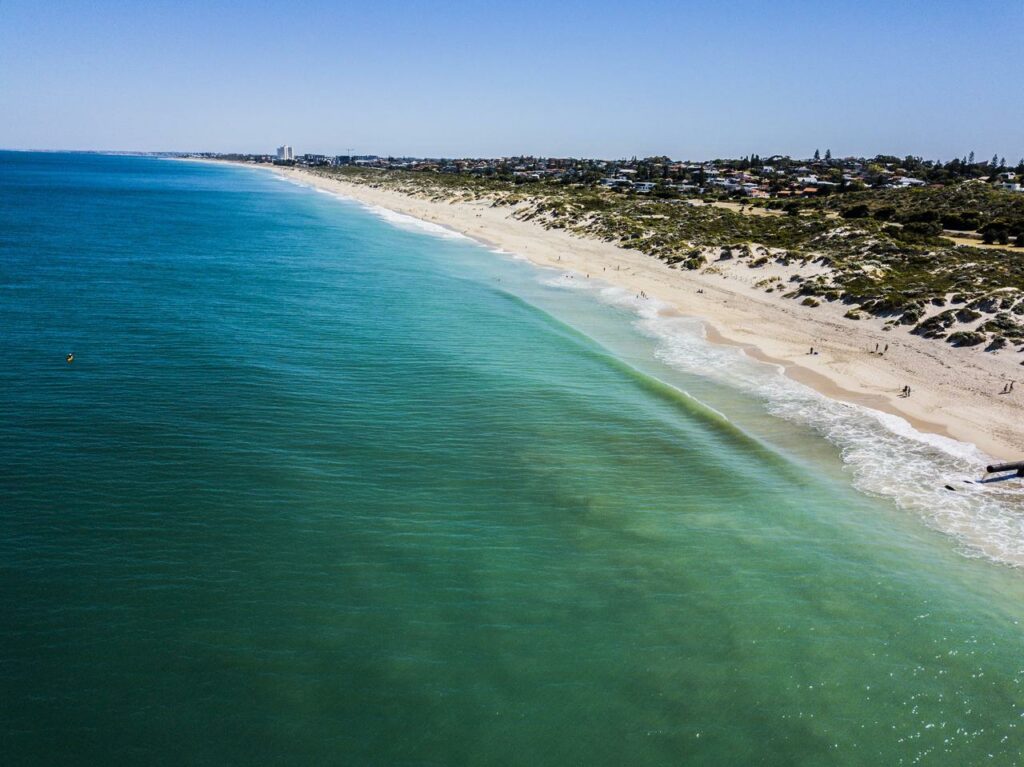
point(954, 391)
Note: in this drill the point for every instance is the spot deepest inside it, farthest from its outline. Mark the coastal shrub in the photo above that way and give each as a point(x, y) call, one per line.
point(935, 327)
point(1004, 325)
point(810, 302)
point(926, 216)
point(961, 221)
point(995, 233)
point(593, 203)
point(885, 214)
point(853, 314)
point(919, 230)
point(966, 338)
point(856, 211)
point(986, 304)
point(885, 305)
point(912, 315)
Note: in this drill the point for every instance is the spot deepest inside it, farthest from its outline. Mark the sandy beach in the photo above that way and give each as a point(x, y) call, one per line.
point(955, 392)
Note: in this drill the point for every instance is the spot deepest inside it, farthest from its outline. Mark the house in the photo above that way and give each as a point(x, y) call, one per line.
point(643, 187)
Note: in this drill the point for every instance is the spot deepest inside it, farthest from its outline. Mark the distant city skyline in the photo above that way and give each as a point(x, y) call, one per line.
point(937, 80)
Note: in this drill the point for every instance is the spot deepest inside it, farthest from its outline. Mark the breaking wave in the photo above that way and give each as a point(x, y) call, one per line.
point(883, 453)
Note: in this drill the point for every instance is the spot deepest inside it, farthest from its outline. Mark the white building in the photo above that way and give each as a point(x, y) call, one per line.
point(285, 153)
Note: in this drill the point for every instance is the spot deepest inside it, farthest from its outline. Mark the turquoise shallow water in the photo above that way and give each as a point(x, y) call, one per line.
point(320, 489)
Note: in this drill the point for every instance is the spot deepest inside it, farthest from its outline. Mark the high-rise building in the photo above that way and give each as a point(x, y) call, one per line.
point(285, 153)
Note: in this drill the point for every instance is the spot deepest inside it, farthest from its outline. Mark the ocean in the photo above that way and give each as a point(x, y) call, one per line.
point(327, 485)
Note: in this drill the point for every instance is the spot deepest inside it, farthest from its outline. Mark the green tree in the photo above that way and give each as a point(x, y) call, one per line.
point(995, 232)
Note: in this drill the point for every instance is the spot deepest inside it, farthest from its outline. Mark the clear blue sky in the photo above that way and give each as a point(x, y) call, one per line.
point(598, 78)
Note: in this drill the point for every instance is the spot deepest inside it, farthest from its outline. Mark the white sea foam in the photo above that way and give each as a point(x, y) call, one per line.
point(567, 280)
point(885, 455)
point(403, 221)
point(400, 220)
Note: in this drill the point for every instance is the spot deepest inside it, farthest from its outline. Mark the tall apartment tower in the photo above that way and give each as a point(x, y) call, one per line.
point(285, 153)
